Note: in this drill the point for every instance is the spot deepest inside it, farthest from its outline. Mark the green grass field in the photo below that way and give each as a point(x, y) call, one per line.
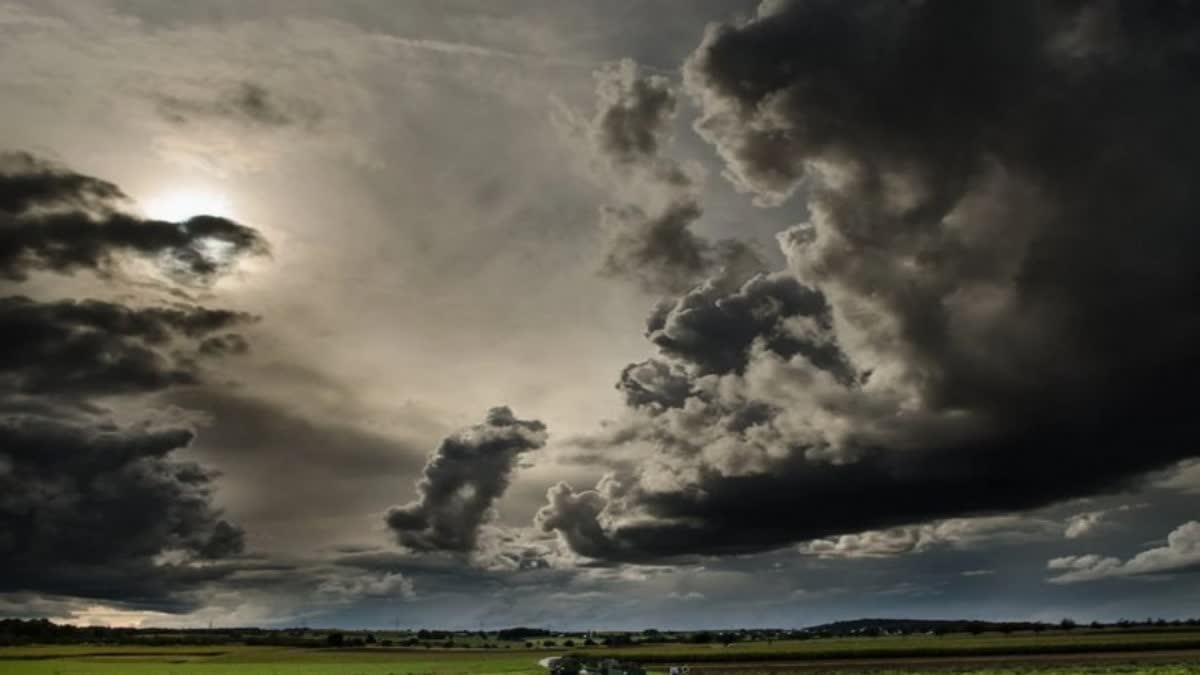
point(744, 658)
point(227, 660)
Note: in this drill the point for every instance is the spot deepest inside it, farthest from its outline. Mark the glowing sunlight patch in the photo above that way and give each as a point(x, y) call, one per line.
point(101, 615)
point(180, 205)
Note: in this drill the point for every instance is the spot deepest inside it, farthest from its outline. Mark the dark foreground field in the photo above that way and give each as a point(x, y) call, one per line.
point(1162, 662)
point(913, 646)
point(1160, 653)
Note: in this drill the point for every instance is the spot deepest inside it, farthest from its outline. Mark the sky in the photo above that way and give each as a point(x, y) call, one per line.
point(598, 315)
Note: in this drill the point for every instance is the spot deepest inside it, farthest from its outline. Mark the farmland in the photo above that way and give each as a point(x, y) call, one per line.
point(228, 660)
point(1166, 652)
point(911, 646)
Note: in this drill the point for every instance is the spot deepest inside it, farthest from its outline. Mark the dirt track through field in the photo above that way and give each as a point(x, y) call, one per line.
point(926, 663)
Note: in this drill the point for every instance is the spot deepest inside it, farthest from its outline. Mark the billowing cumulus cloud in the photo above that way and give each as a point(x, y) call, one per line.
point(654, 383)
point(648, 236)
point(57, 220)
point(989, 304)
point(1180, 554)
point(464, 477)
point(710, 329)
point(575, 516)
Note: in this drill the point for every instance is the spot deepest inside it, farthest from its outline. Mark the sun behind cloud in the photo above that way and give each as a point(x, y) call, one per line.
point(180, 204)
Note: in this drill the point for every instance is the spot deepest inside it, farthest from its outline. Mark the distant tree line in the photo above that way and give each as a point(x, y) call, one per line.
point(522, 633)
point(44, 631)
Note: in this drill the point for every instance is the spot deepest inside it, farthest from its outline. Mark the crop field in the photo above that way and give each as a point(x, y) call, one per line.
point(1052, 653)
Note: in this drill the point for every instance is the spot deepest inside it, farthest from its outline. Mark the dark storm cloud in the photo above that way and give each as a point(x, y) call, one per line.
point(224, 345)
point(90, 507)
point(67, 349)
point(711, 329)
point(467, 473)
point(56, 220)
point(1003, 232)
point(648, 239)
point(87, 508)
point(247, 102)
point(635, 114)
point(28, 183)
point(659, 251)
point(654, 383)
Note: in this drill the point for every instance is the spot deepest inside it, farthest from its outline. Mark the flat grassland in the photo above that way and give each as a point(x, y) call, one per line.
point(1168, 652)
point(231, 659)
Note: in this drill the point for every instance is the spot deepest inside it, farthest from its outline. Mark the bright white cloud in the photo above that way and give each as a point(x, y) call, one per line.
point(1181, 553)
point(1089, 522)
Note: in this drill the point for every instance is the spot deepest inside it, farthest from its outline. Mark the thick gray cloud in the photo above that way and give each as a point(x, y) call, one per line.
point(657, 250)
point(633, 116)
point(654, 383)
point(54, 219)
point(29, 183)
point(648, 238)
point(1000, 260)
point(467, 473)
point(711, 328)
point(575, 516)
point(71, 348)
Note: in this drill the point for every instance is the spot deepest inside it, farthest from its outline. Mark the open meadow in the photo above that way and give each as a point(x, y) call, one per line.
point(1156, 652)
